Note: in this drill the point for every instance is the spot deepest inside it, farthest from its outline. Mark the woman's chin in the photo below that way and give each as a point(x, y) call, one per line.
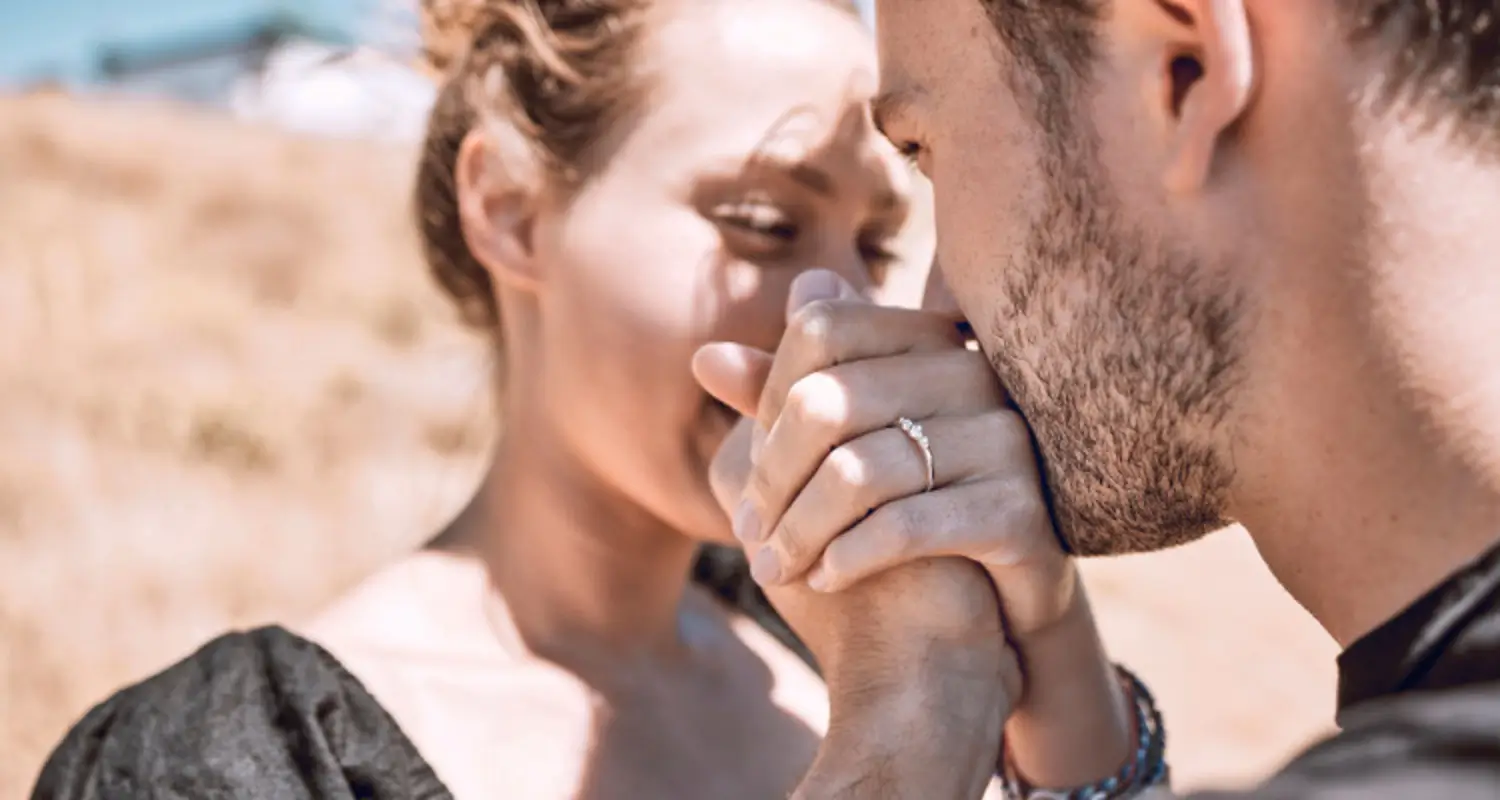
point(708, 523)
point(717, 421)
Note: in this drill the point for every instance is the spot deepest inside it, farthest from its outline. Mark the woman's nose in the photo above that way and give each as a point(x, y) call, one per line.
point(853, 269)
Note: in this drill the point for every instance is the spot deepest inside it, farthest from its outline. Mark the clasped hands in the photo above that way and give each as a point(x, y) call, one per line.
point(897, 590)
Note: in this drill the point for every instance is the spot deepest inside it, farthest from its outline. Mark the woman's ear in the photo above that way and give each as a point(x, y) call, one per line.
point(499, 189)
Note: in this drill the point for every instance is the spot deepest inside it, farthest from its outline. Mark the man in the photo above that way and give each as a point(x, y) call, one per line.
point(1235, 260)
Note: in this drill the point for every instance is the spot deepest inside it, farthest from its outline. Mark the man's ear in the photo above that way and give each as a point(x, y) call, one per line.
point(1202, 73)
point(499, 191)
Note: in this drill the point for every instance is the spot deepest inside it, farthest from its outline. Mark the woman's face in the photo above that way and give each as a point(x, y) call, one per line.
point(753, 161)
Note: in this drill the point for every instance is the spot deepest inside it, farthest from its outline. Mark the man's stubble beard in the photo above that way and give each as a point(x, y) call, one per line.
point(1122, 354)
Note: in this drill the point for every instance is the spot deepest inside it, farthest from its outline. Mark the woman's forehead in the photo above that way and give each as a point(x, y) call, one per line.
point(754, 74)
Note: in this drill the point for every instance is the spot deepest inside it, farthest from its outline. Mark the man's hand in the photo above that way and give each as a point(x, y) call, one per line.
point(837, 494)
point(837, 491)
point(919, 676)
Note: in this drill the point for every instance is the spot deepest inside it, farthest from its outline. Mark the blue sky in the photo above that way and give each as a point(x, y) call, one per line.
point(62, 36)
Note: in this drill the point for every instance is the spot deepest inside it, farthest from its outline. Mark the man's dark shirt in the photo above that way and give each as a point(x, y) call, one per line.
point(1419, 705)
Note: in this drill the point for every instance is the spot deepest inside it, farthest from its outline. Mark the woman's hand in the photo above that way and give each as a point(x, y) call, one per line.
point(919, 675)
point(838, 493)
point(893, 618)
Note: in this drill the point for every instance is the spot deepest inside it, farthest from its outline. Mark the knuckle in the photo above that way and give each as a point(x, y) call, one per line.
point(850, 469)
point(761, 485)
point(841, 560)
point(1024, 523)
point(791, 540)
point(819, 404)
point(814, 328)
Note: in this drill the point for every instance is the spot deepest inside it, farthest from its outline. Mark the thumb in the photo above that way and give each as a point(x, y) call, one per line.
point(730, 469)
point(819, 284)
point(1034, 595)
point(733, 374)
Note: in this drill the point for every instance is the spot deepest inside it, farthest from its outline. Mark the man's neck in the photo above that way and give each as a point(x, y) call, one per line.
point(583, 573)
point(1370, 470)
point(1363, 519)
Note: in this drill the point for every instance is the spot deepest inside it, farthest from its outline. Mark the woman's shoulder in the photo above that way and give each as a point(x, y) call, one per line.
point(263, 713)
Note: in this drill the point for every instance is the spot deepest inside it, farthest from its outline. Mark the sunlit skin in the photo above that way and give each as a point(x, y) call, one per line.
point(548, 644)
point(1291, 369)
point(1231, 287)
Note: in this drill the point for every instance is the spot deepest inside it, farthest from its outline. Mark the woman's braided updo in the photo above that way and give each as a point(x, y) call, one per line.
point(548, 77)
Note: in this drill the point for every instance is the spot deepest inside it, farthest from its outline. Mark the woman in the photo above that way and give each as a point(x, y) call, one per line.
point(607, 185)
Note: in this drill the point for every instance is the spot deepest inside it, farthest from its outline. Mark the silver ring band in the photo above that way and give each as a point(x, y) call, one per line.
point(914, 432)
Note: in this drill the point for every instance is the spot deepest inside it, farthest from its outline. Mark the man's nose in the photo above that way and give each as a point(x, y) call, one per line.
point(938, 298)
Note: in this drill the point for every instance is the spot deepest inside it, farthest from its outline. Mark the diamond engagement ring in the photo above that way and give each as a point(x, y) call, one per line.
point(914, 432)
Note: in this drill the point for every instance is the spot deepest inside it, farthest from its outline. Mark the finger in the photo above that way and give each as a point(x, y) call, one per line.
point(877, 468)
point(734, 374)
point(1003, 518)
point(812, 286)
point(819, 284)
point(829, 408)
point(730, 469)
point(1036, 590)
point(825, 333)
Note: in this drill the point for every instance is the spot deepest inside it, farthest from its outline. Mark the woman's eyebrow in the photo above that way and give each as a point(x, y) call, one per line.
point(811, 176)
point(814, 178)
point(819, 181)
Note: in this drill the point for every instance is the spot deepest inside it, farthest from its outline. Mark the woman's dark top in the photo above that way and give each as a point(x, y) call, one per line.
point(263, 714)
point(267, 715)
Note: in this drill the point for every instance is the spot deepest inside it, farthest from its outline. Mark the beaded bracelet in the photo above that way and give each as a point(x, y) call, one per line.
point(1147, 766)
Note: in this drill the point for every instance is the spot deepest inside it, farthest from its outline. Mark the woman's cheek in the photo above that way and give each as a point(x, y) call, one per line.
point(754, 311)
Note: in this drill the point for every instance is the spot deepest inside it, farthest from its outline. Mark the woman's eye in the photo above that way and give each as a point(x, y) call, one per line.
point(759, 218)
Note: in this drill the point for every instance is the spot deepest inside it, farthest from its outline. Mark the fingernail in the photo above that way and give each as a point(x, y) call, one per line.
point(747, 527)
point(815, 285)
point(765, 567)
point(819, 581)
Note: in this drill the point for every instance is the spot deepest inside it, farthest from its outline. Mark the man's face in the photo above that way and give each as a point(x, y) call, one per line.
point(1120, 340)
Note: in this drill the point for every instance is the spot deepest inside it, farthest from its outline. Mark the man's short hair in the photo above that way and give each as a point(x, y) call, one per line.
point(1439, 57)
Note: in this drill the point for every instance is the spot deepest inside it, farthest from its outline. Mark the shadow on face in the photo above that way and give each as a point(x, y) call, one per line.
point(752, 159)
point(1116, 194)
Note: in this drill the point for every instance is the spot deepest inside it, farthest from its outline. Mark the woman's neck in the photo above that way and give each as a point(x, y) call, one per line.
point(582, 571)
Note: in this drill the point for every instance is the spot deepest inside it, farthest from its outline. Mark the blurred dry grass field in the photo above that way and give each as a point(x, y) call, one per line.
point(227, 391)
